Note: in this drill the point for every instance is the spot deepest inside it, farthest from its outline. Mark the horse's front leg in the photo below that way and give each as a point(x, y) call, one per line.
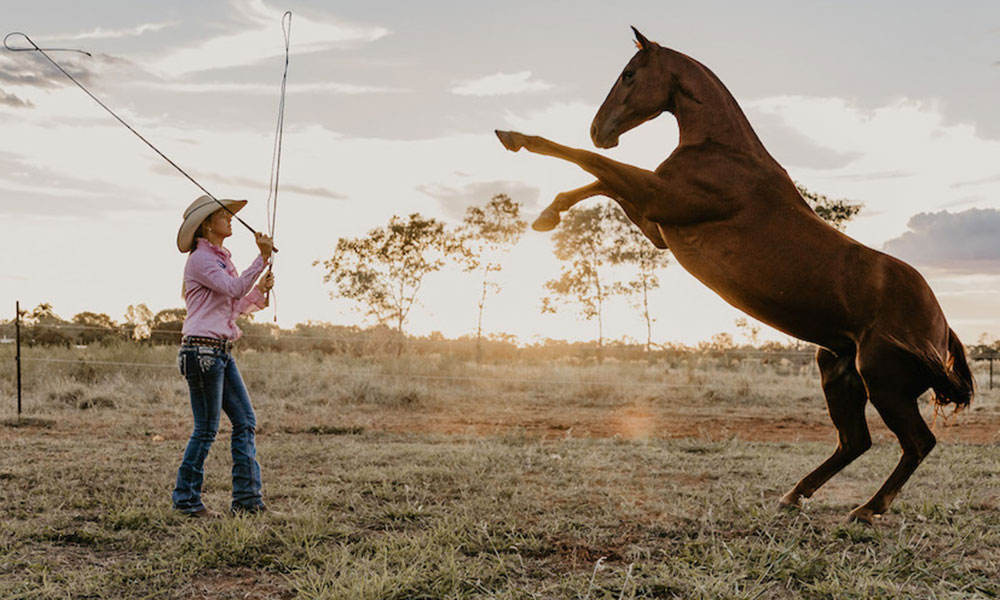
point(655, 197)
point(566, 200)
point(619, 178)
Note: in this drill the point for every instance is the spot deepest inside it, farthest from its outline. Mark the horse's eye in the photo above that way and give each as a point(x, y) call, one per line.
point(627, 75)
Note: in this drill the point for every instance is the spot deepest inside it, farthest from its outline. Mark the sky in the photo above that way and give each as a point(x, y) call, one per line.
point(391, 109)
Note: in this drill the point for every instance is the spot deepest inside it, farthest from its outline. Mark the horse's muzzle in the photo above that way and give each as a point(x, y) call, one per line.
point(602, 139)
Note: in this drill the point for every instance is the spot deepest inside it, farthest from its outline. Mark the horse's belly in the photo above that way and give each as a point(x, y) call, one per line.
point(788, 289)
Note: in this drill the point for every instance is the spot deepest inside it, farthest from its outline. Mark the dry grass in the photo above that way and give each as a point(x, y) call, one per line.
point(425, 478)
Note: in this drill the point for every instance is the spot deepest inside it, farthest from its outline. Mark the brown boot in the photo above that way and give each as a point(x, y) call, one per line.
point(259, 509)
point(203, 514)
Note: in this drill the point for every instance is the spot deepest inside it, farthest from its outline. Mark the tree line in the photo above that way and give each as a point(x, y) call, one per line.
point(603, 255)
point(383, 271)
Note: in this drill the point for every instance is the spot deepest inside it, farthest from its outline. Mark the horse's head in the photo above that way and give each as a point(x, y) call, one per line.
point(642, 92)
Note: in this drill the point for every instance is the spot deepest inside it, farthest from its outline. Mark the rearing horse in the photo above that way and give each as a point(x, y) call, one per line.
point(733, 218)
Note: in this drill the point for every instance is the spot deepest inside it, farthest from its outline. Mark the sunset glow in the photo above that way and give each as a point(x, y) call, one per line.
point(391, 112)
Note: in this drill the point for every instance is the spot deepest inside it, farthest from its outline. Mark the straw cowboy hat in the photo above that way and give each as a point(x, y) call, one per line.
point(198, 211)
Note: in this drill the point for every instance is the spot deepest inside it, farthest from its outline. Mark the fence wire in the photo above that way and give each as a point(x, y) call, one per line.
point(394, 337)
point(417, 376)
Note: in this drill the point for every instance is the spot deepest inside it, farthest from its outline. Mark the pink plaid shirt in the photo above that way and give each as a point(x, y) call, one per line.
point(215, 295)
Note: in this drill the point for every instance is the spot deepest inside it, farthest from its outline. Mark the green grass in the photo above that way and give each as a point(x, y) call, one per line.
point(369, 513)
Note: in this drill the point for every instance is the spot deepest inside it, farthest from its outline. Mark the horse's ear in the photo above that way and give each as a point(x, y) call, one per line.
point(640, 40)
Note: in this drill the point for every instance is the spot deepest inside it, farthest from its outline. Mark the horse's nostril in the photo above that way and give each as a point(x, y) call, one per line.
point(593, 131)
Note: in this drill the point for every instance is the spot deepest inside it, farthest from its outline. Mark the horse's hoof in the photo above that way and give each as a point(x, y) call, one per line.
point(865, 516)
point(511, 140)
point(546, 221)
point(790, 501)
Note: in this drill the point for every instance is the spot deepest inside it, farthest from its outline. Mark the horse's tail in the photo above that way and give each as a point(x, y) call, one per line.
point(952, 381)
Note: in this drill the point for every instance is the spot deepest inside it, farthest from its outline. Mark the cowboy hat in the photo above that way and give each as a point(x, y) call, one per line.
point(198, 211)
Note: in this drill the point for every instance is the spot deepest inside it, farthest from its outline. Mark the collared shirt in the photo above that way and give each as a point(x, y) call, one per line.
point(215, 295)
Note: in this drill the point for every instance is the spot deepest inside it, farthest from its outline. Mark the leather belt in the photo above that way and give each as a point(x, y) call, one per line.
point(197, 340)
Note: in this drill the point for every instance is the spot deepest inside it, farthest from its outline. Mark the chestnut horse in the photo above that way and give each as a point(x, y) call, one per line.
point(733, 218)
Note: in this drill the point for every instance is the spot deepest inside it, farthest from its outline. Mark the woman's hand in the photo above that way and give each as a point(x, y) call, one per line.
point(265, 244)
point(266, 283)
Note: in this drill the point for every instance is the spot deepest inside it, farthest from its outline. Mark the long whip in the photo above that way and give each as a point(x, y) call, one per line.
point(279, 134)
point(35, 48)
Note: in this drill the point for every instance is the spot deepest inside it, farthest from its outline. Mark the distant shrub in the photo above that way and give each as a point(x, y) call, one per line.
point(77, 397)
point(368, 392)
point(71, 396)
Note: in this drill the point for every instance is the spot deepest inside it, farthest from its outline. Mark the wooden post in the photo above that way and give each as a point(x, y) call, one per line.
point(17, 328)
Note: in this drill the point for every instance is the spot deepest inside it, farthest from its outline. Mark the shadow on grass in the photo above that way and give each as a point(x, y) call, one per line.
point(35, 422)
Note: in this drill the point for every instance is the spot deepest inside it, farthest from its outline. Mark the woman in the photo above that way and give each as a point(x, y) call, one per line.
point(216, 296)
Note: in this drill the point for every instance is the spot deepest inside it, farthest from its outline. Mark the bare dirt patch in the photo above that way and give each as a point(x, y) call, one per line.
point(646, 422)
point(244, 584)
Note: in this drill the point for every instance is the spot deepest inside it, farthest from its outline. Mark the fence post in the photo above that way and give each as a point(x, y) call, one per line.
point(17, 329)
point(991, 372)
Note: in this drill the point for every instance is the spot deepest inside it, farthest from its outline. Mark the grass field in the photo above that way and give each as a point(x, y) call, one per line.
point(423, 478)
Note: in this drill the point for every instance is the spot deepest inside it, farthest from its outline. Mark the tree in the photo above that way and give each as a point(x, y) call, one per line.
point(45, 327)
point(140, 318)
point(720, 342)
point(166, 326)
point(43, 314)
point(485, 235)
point(834, 212)
point(94, 327)
point(749, 328)
point(585, 240)
point(630, 247)
point(385, 269)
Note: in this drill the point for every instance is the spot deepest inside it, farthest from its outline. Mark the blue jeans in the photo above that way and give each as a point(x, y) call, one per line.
point(215, 385)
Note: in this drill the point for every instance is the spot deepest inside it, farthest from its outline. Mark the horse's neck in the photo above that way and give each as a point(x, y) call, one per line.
point(705, 110)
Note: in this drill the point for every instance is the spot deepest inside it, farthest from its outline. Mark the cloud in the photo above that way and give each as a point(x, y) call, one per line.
point(981, 181)
point(454, 200)
point(106, 34)
point(47, 201)
point(30, 69)
point(260, 39)
point(792, 147)
point(319, 192)
point(908, 158)
point(501, 84)
point(14, 101)
point(253, 184)
point(29, 190)
point(876, 176)
point(965, 241)
point(270, 89)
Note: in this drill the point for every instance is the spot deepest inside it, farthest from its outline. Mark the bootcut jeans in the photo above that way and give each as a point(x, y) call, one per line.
point(215, 385)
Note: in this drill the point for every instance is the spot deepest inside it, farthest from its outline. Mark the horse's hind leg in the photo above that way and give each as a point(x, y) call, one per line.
point(894, 383)
point(845, 399)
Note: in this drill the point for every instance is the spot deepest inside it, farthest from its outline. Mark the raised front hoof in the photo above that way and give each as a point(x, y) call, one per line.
point(790, 501)
point(863, 515)
point(546, 221)
point(511, 140)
